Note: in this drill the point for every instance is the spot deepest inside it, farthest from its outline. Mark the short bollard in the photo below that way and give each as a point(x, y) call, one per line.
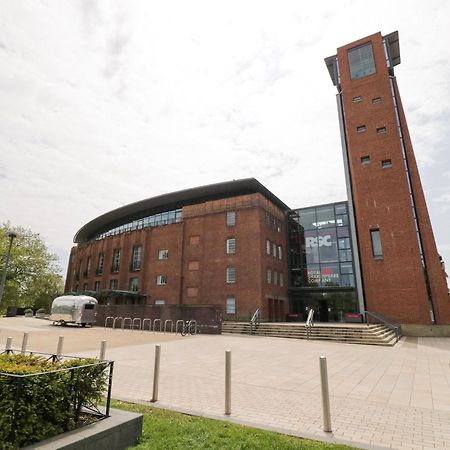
point(60, 347)
point(102, 350)
point(24, 342)
point(156, 373)
point(8, 344)
point(325, 394)
point(228, 382)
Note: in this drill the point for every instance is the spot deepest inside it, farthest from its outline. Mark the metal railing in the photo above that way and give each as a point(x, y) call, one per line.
point(309, 323)
point(377, 318)
point(255, 321)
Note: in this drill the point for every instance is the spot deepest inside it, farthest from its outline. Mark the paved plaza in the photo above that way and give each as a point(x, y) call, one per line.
point(381, 397)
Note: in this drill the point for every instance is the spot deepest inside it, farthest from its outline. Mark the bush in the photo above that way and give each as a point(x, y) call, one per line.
point(47, 399)
point(41, 311)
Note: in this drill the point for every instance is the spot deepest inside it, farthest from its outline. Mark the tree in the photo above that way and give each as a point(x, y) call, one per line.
point(33, 278)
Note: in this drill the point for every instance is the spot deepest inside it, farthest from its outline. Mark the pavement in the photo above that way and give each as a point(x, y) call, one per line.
point(381, 397)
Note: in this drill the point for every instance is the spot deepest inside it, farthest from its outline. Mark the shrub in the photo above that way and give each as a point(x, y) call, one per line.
point(47, 398)
point(41, 311)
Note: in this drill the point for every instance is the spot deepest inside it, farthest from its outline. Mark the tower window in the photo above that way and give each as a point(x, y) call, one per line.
point(161, 279)
point(231, 246)
point(365, 159)
point(230, 276)
point(376, 100)
point(361, 61)
point(377, 250)
point(357, 99)
point(231, 218)
point(381, 130)
point(386, 163)
point(361, 129)
point(231, 305)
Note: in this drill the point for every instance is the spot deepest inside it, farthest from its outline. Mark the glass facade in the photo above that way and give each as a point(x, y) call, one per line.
point(322, 273)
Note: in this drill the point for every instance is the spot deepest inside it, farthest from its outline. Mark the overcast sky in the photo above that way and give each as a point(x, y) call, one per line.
point(103, 103)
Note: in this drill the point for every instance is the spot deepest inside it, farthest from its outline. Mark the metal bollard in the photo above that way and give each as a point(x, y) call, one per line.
point(8, 346)
point(24, 342)
point(228, 382)
point(102, 350)
point(60, 346)
point(325, 394)
point(156, 373)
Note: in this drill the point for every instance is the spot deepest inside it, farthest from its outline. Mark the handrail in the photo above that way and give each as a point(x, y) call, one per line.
point(255, 320)
point(309, 323)
point(389, 323)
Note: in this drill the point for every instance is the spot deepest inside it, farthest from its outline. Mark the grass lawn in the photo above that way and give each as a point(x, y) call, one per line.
point(165, 429)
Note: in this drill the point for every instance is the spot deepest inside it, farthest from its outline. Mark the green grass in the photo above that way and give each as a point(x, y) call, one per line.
point(165, 429)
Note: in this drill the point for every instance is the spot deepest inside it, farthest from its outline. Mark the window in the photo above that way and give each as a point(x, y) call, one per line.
point(160, 302)
point(88, 266)
point(194, 240)
point(281, 280)
point(381, 130)
point(357, 99)
point(365, 160)
point(163, 254)
point(137, 256)
point(231, 275)
point(192, 291)
point(101, 260)
point(280, 254)
point(231, 246)
point(231, 218)
point(97, 286)
point(376, 100)
point(275, 277)
point(230, 307)
point(274, 249)
point(116, 260)
point(267, 247)
point(361, 61)
point(134, 284)
point(85, 287)
point(386, 163)
point(377, 251)
point(161, 279)
point(361, 129)
point(113, 284)
point(193, 265)
point(269, 276)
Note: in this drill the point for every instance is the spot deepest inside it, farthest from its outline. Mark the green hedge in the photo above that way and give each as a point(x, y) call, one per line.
point(48, 400)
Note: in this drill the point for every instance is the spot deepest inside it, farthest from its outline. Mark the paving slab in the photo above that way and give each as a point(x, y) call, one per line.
point(381, 397)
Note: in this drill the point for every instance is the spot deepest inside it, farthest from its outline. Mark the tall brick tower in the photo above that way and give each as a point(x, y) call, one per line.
point(401, 275)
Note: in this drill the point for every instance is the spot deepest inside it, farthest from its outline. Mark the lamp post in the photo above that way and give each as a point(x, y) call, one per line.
point(11, 236)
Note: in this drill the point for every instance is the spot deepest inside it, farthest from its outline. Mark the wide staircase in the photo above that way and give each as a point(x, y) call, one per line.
point(374, 334)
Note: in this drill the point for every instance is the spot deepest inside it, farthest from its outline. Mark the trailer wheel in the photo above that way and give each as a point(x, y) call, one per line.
point(62, 323)
point(83, 325)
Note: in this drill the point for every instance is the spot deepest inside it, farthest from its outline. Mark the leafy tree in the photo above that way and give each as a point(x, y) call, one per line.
point(33, 278)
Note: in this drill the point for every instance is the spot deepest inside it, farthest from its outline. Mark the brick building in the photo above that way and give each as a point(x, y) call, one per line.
point(222, 244)
point(400, 274)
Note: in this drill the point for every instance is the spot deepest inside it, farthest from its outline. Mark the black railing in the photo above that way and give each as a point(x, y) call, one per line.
point(377, 318)
point(70, 387)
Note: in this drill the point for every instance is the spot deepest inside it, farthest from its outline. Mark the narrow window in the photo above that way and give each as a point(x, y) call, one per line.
point(231, 218)
point(281, 280)
point(376, 100)
point(113, 284)
point(267, 247)
point(88, 266)
point(101, 260)
point(361, 129)
point(137, 256)
point(280, 252)
point(381, 130)
point(377, 251)
point(230, 307)
point(231, 275)
point(365, 159)
point(269, 276)
point(275, 277)
point(357, 99)
point(274, 250)
point(231, 246)
point(116, 260)
point(97, 286)
point(163, 254)
point(160, 302)
point(161, 279)
point(134, 284)
point(386, 163)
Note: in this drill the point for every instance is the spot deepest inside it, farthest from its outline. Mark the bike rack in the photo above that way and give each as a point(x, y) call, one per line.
point(149, 321)
point(154, 324)
point(176, 325)
point(106, 320)
point(195, 326)
point(114, 322)
point(171, 325)
point(125, 322)
point(138, 321)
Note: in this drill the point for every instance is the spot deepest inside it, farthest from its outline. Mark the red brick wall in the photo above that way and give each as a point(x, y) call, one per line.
point(395, 285)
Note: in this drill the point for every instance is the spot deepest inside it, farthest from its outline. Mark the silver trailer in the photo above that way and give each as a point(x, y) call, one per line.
point(78, 309)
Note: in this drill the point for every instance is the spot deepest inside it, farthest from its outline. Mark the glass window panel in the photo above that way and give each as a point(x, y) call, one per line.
point(231, 306)
point(313, 275)
point(361, 61)
point(311, 247)
point(343, 232)
point(346, 268)
point(376, 243)
point(345, 255)
point(327, 242)
point(344, 243)
point(347, 280)
point(325, 217)
point(341, 208)
point(308, 218)
point(342, 220)
point(330, 275)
